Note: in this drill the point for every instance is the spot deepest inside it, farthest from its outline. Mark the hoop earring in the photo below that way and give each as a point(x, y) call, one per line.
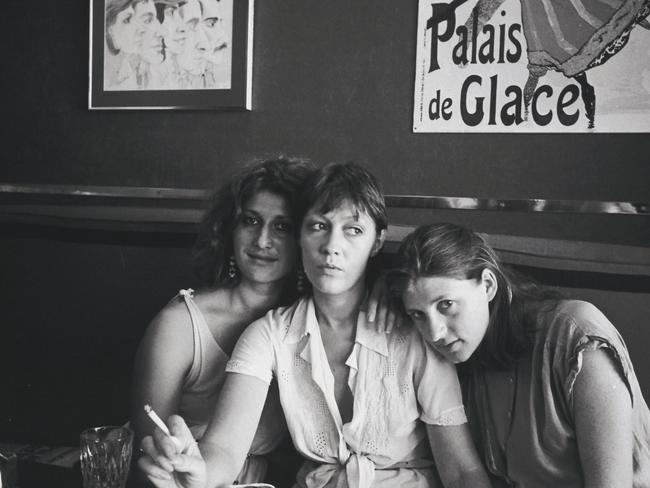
point(232, 267)
point(300, 281)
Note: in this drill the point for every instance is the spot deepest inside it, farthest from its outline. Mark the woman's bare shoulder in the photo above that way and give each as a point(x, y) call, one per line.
point(171, 327)
point(213, 300)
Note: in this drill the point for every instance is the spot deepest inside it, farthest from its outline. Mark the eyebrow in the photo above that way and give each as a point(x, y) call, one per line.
point(434, 300)
point(257, 214)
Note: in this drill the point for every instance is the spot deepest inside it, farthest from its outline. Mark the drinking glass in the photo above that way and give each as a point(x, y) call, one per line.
point(106, 456)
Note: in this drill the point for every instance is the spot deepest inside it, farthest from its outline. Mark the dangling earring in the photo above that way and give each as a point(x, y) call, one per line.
point(232, 267)
point(300, 281)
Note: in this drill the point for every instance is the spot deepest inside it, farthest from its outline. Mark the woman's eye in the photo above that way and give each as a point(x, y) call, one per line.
point(415, 315)
point(284, 226)
point(211, 22)
point(354, 231)
point(444, 305)
point(317, 226)
point(248, 220)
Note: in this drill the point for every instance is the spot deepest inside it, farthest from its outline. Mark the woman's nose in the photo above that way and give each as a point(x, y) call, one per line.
point(437, 329)
point(332, 244)
point(264, 239)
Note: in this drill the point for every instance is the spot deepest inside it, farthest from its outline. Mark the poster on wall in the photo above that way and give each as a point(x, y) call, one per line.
point(532, 66)
point(164, 54)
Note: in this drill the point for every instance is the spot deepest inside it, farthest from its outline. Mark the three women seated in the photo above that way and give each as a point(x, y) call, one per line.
point(545, 393)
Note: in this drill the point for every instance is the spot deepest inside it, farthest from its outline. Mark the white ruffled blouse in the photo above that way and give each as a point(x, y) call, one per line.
point(397, 382)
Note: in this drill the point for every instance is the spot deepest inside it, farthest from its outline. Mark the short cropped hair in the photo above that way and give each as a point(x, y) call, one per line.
point(214, 245)
point(334, 183)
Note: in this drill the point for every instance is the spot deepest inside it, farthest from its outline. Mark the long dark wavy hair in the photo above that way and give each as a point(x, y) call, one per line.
point(214, 245)
point(453, 251)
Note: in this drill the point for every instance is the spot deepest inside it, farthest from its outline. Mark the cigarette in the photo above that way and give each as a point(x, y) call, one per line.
point(161, 425)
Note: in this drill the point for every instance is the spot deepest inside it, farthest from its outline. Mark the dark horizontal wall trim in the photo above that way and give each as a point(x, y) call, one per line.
point(395, 201)
point(177, 211)
point(559, 275)
point(99, 236)
point(589, 280)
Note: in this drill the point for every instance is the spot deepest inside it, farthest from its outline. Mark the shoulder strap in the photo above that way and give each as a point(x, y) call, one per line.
point(196, 318)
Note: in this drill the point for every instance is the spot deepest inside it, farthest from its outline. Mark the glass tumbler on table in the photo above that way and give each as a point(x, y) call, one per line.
point(106, 456)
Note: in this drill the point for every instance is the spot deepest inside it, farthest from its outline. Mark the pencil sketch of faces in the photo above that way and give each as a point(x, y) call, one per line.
point(152, 48)
point(174, 29)
point(192, 56)
point(169, 44)
point(123, 34)
point(213, 23)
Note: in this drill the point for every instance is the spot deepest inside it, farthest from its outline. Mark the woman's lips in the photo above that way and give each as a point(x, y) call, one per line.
point(447, 346)
point(262, 257)
point(329, 269)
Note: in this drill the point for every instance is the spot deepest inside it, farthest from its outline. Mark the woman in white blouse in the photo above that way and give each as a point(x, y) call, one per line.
point(363, 407)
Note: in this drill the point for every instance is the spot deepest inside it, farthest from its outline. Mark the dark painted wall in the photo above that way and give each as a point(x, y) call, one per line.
point(332, 81)
point(74, 306)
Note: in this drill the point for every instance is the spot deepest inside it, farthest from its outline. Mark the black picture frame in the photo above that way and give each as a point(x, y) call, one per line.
point(237, 96)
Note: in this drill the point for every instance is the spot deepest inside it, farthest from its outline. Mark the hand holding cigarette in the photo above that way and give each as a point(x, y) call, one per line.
point(180, 466)
point(161, 425)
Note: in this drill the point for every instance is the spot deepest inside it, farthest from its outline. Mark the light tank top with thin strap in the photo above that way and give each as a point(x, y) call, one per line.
point(201, 388)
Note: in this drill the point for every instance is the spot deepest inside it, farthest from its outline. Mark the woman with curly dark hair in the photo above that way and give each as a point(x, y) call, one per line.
point(246, 253)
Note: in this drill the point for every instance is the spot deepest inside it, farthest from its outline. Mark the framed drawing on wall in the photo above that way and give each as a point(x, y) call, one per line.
point(170, 54)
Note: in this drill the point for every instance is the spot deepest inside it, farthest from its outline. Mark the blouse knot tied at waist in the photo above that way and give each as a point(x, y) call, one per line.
point(359, 472)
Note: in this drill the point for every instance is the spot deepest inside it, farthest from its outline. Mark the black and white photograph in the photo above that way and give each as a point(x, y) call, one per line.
point(309, 244)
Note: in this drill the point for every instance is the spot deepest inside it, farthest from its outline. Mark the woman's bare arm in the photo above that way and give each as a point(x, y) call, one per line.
point(161, 362)
point(456, 458)
point(229, 436)
point(603, 421)
point(223, 448)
